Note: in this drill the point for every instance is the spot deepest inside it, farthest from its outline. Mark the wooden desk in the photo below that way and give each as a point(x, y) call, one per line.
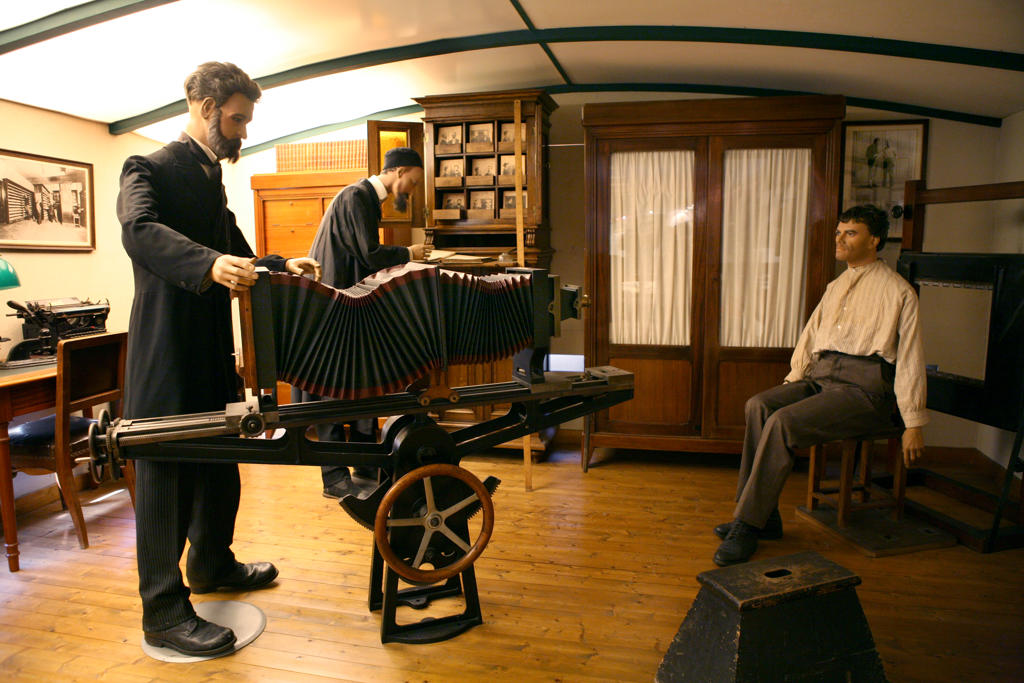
point(24, 390)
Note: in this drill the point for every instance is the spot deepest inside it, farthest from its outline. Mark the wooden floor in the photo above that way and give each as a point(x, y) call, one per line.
point(587, 578)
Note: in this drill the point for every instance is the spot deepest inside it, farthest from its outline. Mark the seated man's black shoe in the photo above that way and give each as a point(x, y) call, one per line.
point(242, 577)
point(196, 637)
point(738, 546)
point(772, 529)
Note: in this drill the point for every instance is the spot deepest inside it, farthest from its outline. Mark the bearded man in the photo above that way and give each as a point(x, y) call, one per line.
point(187, 256)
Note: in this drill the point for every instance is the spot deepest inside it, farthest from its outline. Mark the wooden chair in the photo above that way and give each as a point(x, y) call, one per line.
point(839, 494)
point(90, 371)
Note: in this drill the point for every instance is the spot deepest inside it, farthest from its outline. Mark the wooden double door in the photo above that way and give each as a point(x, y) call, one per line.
point(709, 235)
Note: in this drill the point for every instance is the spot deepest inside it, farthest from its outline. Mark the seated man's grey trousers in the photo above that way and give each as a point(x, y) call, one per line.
point(841, 397)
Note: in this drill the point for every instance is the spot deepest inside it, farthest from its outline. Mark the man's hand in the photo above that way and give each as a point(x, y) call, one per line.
point(234, 272)
point(913, 445)
point(304, 266)
point(416, 252)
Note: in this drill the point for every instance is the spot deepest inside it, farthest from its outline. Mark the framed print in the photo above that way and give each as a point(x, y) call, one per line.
point(453, 200)
point(508, 131)
point(508, 165)
point(449, 135)
point(481, 199)
point(46, 204)
point(878, 158)
point(481, 132)
point(450, 167)
point(508, 199)
point(484, 166)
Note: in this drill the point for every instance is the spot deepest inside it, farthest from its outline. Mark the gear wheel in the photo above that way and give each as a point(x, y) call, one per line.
point(423, 520)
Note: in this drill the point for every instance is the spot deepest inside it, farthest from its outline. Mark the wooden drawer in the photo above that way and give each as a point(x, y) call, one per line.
point(292, 212)
point(290, 241)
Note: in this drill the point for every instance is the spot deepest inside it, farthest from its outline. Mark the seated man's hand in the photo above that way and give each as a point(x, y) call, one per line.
point(416, 252)
point(234, 272)
point(304, 266)
point(913, 445)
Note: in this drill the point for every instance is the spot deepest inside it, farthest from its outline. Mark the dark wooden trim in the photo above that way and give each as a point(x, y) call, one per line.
point(664, 443)
point(71, 19)
point(971, 193)
point(734, 110)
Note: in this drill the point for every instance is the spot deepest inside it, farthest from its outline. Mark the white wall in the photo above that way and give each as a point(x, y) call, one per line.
point(101, 274)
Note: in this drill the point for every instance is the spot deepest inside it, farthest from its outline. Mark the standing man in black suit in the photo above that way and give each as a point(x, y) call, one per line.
point(187, 254)
point(348, 247)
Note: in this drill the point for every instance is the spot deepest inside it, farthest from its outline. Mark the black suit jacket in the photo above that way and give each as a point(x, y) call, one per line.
point(347, 245)
point(175, 223)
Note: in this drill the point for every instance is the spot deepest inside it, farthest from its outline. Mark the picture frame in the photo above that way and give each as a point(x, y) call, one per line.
point(481, 133)
point(453, 200)
point(508, 132)
point(507, 166)
point(482, 199)
point(449, 136)
point(484, 166)
point(46, 203)
point(878, 158)
point(449, 168)
point(508, 200)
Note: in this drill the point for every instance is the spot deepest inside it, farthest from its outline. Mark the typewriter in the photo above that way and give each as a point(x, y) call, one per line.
point(47, 321)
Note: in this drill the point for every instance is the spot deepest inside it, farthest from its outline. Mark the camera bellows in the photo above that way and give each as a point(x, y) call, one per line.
point(395, 326)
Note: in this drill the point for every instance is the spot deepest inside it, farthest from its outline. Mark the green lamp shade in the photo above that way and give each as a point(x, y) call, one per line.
point(8, 276)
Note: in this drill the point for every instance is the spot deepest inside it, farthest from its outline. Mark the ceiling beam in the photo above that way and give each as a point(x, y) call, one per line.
point(71, 19)
point(823, 41)
point(544, 46)
point(883, 105)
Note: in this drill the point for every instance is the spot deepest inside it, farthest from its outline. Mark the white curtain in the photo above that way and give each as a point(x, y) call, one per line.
point(764, 246)
point(651, 247)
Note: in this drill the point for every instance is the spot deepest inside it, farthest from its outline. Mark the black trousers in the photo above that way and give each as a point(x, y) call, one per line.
point(841, 397)
point(175, 501)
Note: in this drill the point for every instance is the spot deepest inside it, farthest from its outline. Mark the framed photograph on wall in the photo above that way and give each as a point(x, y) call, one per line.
point(878, 158)
point(46, 204)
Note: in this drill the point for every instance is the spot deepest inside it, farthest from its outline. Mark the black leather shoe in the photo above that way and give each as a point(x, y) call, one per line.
point(196, 637)
point(242, 578)
point(738, 546)
point(772, 529)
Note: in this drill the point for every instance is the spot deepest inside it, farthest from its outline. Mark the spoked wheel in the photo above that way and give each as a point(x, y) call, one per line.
point(97, 458)
point(423, 520)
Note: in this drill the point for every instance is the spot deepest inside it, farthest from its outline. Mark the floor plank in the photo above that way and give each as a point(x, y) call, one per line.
point(587, 578)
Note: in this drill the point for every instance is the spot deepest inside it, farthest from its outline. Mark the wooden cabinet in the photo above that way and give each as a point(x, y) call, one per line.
point(470, 173)
point(709, 233)
point(289, 206)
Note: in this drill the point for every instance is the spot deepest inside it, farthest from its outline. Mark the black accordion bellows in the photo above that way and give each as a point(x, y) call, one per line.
point(393, 327)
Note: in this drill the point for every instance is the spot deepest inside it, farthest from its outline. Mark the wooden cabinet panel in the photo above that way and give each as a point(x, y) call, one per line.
point(661, 395)
point(737, 381)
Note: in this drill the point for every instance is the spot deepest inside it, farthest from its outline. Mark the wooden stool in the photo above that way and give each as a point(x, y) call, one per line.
point(839, 495)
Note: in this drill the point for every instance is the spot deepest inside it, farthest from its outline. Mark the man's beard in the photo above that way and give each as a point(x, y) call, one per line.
point(401, 202)
point(221, 146)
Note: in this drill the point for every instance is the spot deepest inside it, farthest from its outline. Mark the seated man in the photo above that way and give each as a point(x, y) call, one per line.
point(858, 356)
